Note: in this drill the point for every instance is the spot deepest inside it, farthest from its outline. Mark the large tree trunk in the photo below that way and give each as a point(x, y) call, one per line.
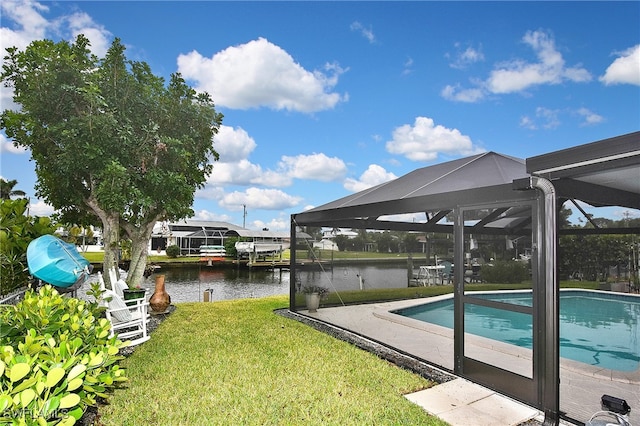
point(139, 251)
point(110, 238)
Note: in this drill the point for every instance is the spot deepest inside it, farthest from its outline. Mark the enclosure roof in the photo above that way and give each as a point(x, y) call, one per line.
point(602, 173)
point(434, 189)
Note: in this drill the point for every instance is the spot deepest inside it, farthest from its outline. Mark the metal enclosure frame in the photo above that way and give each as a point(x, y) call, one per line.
point(603, 173)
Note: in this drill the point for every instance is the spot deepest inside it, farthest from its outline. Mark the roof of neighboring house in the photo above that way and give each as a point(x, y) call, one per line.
point(204, 224)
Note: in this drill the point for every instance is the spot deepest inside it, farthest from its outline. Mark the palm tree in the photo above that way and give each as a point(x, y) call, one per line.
point(7, 191)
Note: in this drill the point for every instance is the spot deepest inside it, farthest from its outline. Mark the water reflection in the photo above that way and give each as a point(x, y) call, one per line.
point(188, 284)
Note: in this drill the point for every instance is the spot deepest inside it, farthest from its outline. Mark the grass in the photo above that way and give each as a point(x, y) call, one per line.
point(237, 362)
point(326, 255)
point(98, 257)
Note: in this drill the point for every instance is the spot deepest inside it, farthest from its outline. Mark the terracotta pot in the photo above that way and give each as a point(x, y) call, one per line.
point(160, 299)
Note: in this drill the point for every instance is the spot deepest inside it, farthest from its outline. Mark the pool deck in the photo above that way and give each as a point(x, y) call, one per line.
point(581, 385)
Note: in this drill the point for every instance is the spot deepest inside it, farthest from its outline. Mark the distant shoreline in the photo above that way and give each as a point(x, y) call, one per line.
point(302, 263)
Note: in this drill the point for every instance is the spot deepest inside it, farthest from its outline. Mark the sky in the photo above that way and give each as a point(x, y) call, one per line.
point(324, 99)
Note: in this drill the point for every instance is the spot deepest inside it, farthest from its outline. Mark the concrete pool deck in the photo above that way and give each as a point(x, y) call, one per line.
point(581, 385)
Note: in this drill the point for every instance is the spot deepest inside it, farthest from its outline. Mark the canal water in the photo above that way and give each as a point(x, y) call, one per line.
point(188, 284)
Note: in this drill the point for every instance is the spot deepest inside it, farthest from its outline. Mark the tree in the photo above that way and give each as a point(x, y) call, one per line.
point(342, 241)
point(7, 191)
point(111, 141)
point(411, 243)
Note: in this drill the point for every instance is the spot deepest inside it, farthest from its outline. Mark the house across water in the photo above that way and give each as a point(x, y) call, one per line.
point(197, 237)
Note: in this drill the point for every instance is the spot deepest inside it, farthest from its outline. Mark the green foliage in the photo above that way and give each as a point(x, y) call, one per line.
point(17, 230)
point(589, 256)
point(230, 247)
point(343, 243)
point(97, 293)
point(7, 191)
point(505, 272)
point(56, 358)
point(173, 251)
point(323, 292)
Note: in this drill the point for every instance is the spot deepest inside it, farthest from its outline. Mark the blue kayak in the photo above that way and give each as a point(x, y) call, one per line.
point(56, 262)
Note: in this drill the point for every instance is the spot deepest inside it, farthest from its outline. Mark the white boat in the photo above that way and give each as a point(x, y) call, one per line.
point(246, 247)
point(426, 275)
point(212, 253)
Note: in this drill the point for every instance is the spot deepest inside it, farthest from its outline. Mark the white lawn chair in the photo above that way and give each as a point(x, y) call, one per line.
point(129, 322)
point(118, 285)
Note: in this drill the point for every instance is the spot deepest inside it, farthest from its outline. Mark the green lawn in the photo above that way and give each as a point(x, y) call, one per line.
point(238, 363)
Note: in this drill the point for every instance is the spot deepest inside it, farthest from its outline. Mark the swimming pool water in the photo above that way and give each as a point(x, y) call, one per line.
point(595, 328)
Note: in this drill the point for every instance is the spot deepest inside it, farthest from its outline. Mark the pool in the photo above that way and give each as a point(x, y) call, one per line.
point(596, 328)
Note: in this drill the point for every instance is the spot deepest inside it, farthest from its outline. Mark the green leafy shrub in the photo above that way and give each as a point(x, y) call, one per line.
point(173, 251)
point(56, 358)
point(510, 272)
point(17, 230)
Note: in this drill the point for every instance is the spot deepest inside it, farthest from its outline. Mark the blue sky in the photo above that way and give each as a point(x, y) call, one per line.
point(322, 99)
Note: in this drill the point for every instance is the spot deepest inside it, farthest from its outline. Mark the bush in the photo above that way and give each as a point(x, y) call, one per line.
point(173, 251)
point(510, 272)
point(17, 230)
point(56, 358)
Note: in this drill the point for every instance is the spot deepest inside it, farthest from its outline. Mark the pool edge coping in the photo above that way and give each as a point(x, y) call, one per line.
point(383, 312)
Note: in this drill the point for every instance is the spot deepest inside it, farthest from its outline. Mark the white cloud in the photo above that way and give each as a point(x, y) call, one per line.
point(590, 117)
point(244, 172)
point(374, 175)
point(544, 117)
point(28, 19)
point(210, 192)
point(424, 141)
point(365, 32)
point(40, 208)
point(456, 93)
point(547, 118)
point(31, 24)
point(233, 144)
point(625, 69)
point(207, 215)
point(6, 145)
point(407, 66)
point(257, 198)
point(314, 166)
point(259, 73)
point(234, 147)
point(528, 123)
point(275, 224)
point(518, 75)
point(81, 23)
point(464, 58)
point(234, 167)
